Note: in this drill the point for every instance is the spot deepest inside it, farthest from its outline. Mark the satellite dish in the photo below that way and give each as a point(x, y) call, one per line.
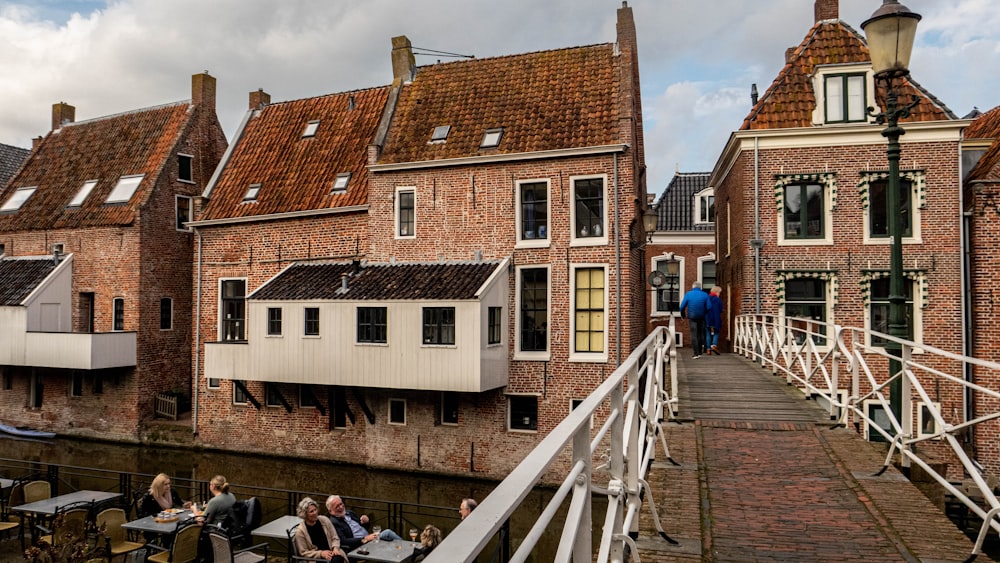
point(657, 278)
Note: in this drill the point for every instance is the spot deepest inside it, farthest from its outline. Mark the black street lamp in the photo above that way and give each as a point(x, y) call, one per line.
point(890, 33)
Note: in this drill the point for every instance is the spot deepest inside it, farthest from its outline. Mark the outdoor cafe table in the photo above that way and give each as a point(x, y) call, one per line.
point(279, 529)
point(385, 551)
point(148, 524)
point(48, 506)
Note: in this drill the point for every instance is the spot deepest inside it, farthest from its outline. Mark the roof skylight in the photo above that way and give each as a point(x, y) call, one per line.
point(340, 184)
point(311, 128)
point(252, 192)
point(491, 138)
point(15, 201)
point(440, 133)
point(124, 189)
point(83, 193)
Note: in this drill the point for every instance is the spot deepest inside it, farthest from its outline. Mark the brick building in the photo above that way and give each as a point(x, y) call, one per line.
point(682, 248)
point(478, 272)
point(95, 274)
point(812, 166)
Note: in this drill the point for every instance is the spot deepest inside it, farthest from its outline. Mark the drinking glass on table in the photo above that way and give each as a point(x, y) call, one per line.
point(413, 534)
point(377, 530)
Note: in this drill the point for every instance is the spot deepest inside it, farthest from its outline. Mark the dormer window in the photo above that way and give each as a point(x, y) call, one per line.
point(440, 134)
point(491, 139)
point(81, 195)
point(340, 184)
point(311, 128)
point(252, 192)
point(845, 98)
point(15, 201)
point(124, 189)
point(704, 206)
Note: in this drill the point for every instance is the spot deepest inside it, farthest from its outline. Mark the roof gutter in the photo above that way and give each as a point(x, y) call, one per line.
point(499, 158)
point(278, 216)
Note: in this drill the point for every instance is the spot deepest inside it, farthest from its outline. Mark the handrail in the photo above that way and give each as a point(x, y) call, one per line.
point(812, 355)
point(636, 398)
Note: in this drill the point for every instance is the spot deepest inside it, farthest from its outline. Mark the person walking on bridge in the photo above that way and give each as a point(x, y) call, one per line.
point(694, 307)
point(713, 321)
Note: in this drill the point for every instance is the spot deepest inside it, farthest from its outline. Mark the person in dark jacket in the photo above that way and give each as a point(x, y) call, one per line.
point(694, 307)
point(160, 497)
point(713, 321)
point(350, 528)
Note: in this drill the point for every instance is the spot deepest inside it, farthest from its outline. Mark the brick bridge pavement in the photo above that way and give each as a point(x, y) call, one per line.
point(762, 477)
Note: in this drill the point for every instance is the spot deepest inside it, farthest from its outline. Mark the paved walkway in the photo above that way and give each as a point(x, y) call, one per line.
point(763, 477)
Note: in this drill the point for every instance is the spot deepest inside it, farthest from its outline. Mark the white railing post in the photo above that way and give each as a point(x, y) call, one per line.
point(583, 549)
point(907, 401)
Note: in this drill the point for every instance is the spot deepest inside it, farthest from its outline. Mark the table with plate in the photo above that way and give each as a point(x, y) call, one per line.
point(385, 551)
point(159, 524)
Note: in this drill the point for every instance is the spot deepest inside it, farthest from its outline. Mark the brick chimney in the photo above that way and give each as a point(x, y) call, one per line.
point(827, 10)
point(259, 99)
point(404, 65)
point(203, 90)
point(62, 113)
point(35, 142)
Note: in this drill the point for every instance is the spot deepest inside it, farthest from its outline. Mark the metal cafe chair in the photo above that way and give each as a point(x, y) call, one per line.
point(184, 548)
point(109, 525)
point(222, 549)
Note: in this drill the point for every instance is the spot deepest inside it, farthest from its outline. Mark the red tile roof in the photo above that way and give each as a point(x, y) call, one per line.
point(565, 98)
point(104, 149)
point(322, 281)
point(986, 126)
point(789, 101)
point(296, 173)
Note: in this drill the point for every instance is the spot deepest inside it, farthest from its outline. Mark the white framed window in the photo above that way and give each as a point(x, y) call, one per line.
point(532, 213)
point(214, 383)
point(274, 315)
point(440, 133)
point(805, 209)
point(843, 93)
point(873, 190)
point(184, 169)
point(82, 194)
point(17, 199)
point(341, 182)
point(704, 207)
point(522, 413)
point(252, 192)
point(807, 300)
point(124, 189)
point(533, 295)
point(706, 271)
point(875, 291)
point(182, 212)
point(397, 412)
point(373, 325)
point(310, 130)
point(876, 415)
point(589, 323)
point(491, 138)
point(406, 213)
point(588, 210)
point(926, 425)
point(232, 309)
point(310, 326)
point(667, 297)
point(438, 326)
point(449, 408)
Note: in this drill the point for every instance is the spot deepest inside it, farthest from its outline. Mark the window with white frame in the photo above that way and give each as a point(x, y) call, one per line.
point(232, 309)
point(439, 325)
point(533, 213)
point(182, 212)
point(926, 425)
point(372, 325)
point(805, 208)
point(587, 214)
point(17, 199)
point(311, 321)
point(846, 98)
point(874, 193)
point(124, 189)
point(875, 289)
point(704, 206)
point(406, 212)
point(533, 311)
point(805, 299)
point(589, 311)
point(82, 194)
point(522, 413)
point(668, 295)
point(706, 271)
point(252, 192)
point(876, 415)
point(397, 412)
point(274, 321)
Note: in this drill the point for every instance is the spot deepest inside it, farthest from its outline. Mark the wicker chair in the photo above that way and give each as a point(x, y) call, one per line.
point(222, 549)
point(111, 520)
point(183, 550)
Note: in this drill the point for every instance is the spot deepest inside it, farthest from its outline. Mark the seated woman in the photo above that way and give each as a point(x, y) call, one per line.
point(429, 539)
point(315, 536)
point(160, 497)
point(220, 506)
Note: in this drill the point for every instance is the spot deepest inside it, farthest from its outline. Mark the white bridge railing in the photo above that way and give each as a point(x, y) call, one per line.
point(839, 366)
point(636, 397)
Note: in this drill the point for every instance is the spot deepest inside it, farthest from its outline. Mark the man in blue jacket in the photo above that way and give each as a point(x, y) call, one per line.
point(694, 307)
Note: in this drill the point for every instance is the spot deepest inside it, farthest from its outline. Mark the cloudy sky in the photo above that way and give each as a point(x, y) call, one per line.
point(697, 58)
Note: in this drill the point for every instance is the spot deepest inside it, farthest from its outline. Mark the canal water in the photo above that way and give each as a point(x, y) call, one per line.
point(316, 477)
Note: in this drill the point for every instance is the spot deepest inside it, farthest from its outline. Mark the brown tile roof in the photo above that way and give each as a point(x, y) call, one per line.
point(297, 173)
point(789, 101)
point(986, 126)
point(986, 169)
point(10, 160)
point(564, 98)
point(322, 281)
point(20, 276)
point(104, 149)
